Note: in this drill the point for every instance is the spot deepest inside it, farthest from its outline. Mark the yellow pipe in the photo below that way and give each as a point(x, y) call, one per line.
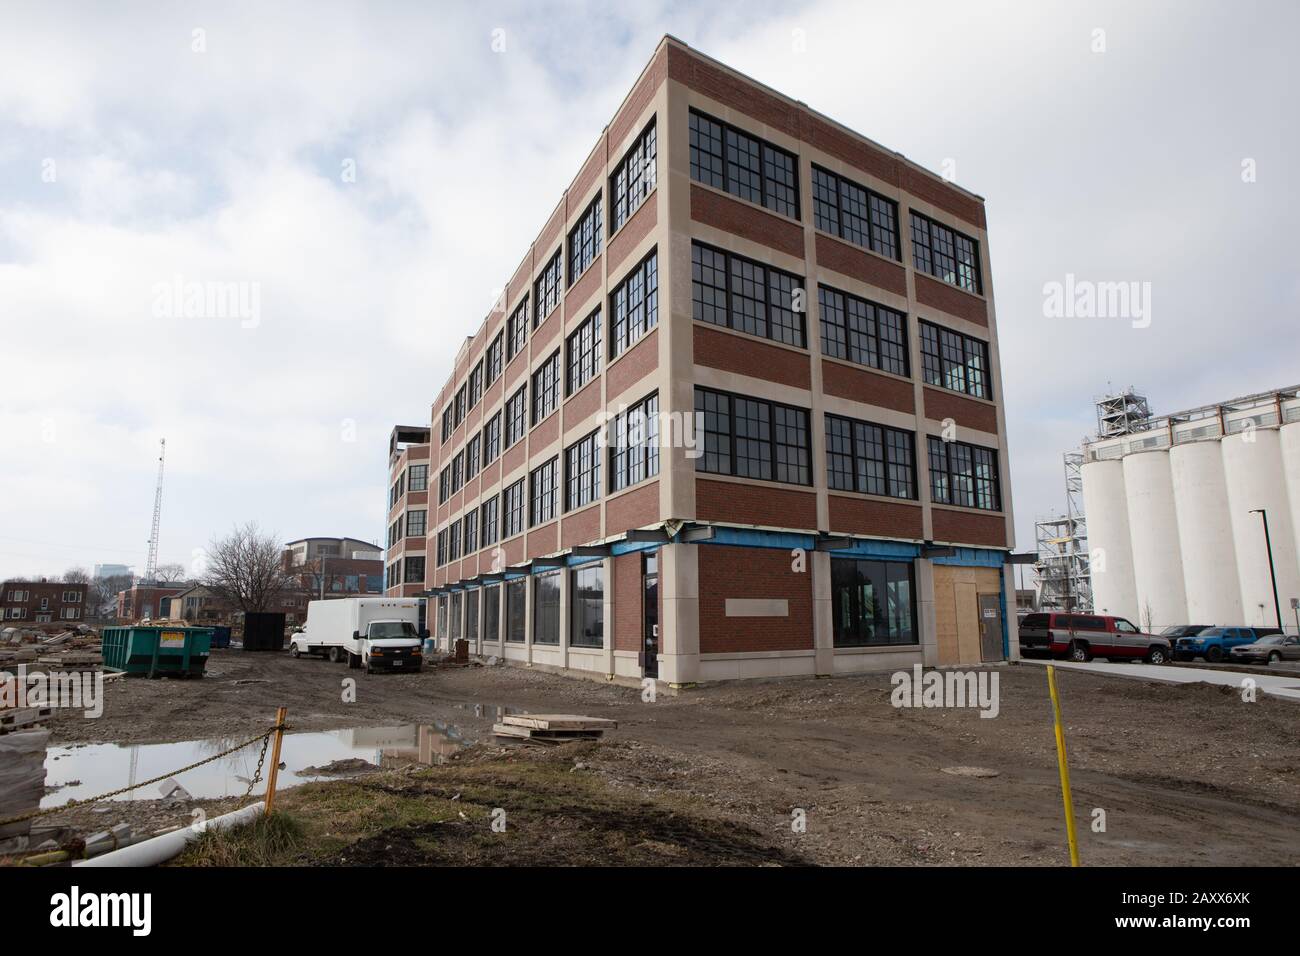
point(1064, 766)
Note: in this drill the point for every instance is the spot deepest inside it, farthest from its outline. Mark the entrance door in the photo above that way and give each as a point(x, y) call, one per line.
point(990, 628)
point(650, 603)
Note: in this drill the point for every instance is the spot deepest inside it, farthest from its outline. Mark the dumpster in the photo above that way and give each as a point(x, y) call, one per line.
point(263, 631)
point(220, 636)
point(143, 649)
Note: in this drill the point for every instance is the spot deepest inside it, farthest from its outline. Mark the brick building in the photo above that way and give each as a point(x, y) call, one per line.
point(142, 601)
point(737, 414)
point(43, 602)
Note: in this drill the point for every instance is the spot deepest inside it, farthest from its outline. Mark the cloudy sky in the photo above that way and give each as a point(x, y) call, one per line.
point(376, 171)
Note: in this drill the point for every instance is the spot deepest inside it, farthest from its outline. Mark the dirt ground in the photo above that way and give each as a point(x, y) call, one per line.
point(1186, 774)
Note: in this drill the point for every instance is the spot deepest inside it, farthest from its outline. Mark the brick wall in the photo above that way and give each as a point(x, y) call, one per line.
point(769, 505)
point(746, 355)
point(632, 366)
point(965, 527)
point(860, 385)
point(768, 574)
point(629, 596)
point(851, 261)
point(731, 215)
point(952, 300)
point(964, 411)
point(884, 519)
point(633, 509)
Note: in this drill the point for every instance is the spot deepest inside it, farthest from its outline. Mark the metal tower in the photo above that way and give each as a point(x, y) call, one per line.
point(1121, 413)
point(1064, 572)
point(151, 565)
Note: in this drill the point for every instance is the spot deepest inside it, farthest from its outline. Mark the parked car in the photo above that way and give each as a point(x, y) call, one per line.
point(1081, 637)
point(1182, 630)
point(1216, 643)
point(1268, 650)
point(372, 633)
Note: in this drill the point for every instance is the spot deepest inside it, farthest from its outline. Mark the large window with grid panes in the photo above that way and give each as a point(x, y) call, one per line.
point(870, 459)
point(964, 475)
point(753, 169)
point(634, 444)
point(634, 178)
point(738, 293)
point(752, 438)
point(861, 331)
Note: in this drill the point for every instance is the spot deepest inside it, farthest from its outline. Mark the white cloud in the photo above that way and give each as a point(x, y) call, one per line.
point(225, 166)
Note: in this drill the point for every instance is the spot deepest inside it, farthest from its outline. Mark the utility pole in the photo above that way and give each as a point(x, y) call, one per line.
point(1268, 543)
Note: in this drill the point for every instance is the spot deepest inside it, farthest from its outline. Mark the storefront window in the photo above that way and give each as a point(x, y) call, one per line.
point(873, 602)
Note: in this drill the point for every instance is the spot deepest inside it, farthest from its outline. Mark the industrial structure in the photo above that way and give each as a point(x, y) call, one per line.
point(738, 414)
point(1194, 517)
point(1063, 567)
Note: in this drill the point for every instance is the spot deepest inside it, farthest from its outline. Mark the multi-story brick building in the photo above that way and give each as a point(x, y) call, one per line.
point(737, 414)
point(43, 602)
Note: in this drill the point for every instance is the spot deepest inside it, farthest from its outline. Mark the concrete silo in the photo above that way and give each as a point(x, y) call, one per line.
point(1153, 531)
point(1291, 471)
point(1106, 504)
point(1205, 534)
point(1252, 467)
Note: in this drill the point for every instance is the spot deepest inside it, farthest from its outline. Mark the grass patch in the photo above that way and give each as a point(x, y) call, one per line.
point(267, 841)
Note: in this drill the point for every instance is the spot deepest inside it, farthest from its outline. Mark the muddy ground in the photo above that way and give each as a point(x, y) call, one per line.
point(1186, 774)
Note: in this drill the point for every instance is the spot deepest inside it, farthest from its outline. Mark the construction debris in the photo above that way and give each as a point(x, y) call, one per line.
point(22, 783)
point(552, 728)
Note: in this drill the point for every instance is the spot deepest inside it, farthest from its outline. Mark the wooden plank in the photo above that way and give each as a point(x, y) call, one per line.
point(559, 722)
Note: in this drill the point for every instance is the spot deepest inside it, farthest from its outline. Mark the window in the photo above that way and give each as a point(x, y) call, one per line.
point(587, 600)
point(492, 439)
point(542, 493)
point(476, 384)
point(584, 241)
point(744, 165)
point(747, 296)
point(458, 472)
point(440, 555)
point(457, 602)
point(634, 444)
point(492, 613)
point(495, 356)
point(945, 254)
point(68, 613)
point(71, 597)
point(446, 423)
point(473, 456)
point(414, 571)
point(862, 331)
point(512, 506)
point(965, 475)
point(517, 415)
point(952, 360)
point(870, 459)
point(872, 602)
point(583, 354)
point(415, 523)
point(454, 541)
point(546, 608)
point(546, 290)
point(516, 610)
point(582, 472)
point(517, 329)
point(471, 532)
point(634, 178)
point(419, 477)
point(460, 405)
point(472, 598)
point(634, 305)
point(751, 438)
point(395, 532)
point(488, 521)
point(444, 484)
point(546, 387)
point(853, 212)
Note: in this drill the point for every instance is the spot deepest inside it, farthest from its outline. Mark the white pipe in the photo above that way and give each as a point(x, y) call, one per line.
point(162, 848)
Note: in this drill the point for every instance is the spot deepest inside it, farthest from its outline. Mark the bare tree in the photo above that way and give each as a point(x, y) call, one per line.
point(76, 576)
point(169, 573)
point(246, 569)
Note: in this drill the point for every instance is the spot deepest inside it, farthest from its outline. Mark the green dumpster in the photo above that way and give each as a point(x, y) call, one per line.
point(143, 649)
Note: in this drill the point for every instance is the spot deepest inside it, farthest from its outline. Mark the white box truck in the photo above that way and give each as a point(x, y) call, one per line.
point(373, 633)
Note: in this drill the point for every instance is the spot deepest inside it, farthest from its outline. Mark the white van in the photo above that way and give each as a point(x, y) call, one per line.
point(373, 633)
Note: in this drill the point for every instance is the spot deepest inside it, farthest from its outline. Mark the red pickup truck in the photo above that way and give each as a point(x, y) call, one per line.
point(1081, 637)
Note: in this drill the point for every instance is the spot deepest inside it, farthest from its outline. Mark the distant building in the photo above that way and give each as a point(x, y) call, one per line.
point(142, 601)
point(111, 571)
point(41, 602)
point(305, 550)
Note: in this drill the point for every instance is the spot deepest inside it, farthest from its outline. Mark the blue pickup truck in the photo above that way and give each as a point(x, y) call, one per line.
point(1216, 643)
